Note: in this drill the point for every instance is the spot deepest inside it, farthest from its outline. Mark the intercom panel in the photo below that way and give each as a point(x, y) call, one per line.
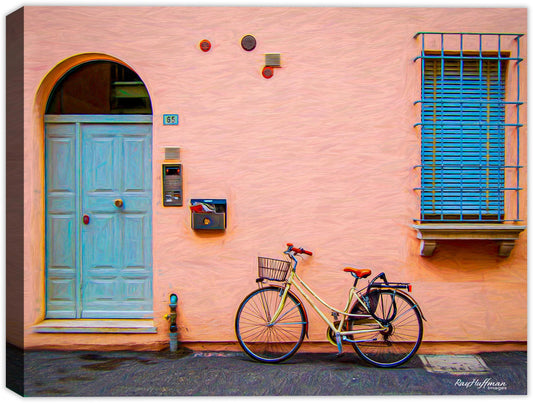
point(172, 185)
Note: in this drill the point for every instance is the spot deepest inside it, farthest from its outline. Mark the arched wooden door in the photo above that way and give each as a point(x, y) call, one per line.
point(98, 184)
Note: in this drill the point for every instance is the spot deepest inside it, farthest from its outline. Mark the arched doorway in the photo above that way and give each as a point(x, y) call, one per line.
point(98, 194)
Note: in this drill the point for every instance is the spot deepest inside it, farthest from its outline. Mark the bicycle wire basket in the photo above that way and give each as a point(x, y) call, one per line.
point(273, 269)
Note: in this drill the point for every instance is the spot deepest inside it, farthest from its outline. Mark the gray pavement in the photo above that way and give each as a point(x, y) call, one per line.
point(188, 373)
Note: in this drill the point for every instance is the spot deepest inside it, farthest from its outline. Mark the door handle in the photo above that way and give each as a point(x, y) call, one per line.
point(118, 203)
point(86, 219)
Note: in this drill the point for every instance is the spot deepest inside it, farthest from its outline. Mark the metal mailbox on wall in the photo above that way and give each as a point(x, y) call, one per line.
point(208, 214)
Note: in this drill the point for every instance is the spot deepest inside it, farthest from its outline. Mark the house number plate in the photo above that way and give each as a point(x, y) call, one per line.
point(170, 119)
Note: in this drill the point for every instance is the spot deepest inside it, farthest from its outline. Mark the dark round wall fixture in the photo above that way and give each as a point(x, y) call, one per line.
point(248, 43)
point(205, 45)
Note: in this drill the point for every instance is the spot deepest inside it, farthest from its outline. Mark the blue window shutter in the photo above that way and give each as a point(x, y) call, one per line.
point(463, 139)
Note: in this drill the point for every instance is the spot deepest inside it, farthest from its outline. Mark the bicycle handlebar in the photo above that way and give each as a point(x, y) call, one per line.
point(291, 248)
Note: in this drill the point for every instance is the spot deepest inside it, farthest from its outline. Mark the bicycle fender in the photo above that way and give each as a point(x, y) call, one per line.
point(299, 301)
point(409, 297)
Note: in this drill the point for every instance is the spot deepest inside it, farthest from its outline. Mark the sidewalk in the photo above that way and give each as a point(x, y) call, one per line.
point(188, 373)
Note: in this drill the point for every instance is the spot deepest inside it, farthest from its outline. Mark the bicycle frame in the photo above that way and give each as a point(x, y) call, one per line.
point(302, 287)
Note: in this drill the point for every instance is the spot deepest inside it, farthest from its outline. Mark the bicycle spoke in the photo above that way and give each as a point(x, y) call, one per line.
point(281, 316)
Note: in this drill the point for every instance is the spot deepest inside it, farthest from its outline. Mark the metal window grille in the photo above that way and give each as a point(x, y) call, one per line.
point(465, 119)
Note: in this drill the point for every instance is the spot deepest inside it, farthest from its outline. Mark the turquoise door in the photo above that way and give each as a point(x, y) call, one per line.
point(98, 216)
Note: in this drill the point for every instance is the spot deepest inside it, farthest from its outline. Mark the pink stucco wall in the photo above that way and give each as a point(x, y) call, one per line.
point(321, 155)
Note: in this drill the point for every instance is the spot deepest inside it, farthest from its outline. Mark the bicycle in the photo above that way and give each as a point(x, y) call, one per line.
point(381, 321)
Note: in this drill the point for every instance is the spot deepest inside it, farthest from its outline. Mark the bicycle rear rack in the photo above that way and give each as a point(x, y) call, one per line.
point(404, 286)
point(386, 284)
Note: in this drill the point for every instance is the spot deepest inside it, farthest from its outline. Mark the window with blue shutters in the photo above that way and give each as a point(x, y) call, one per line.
point(463, 127)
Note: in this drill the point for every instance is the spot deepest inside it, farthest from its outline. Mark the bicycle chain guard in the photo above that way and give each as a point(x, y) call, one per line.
point(330, 334)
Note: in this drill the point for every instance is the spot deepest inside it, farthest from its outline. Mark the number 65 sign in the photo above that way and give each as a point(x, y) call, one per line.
point(170, 119)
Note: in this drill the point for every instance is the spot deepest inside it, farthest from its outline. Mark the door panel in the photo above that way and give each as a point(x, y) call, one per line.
point(110, 258)
point(115, 166)
point(134, 164)
point(61, 222)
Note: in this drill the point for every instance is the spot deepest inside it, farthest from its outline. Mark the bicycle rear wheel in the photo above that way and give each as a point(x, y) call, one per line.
point(265, 341)
point(402, 333)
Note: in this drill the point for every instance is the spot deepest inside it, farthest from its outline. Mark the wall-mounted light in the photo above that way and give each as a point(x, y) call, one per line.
point(273, 59)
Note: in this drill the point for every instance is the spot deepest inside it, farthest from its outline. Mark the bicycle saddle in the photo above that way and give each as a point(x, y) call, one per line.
point(360, 273)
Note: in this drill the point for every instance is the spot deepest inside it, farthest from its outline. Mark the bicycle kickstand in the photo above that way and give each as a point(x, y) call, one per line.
point(339, 344)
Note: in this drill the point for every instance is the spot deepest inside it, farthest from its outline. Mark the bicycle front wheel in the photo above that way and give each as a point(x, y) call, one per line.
point(398, 339)
point(258, 336)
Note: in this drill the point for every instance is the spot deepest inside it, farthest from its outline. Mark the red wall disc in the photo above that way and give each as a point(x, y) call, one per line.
point(205, 45)
point(268, 72)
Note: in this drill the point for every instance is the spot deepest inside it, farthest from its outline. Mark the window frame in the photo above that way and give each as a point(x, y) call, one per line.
point(506, 231)
point(463, 148)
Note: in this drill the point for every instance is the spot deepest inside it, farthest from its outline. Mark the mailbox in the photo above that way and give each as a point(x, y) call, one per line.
point(208, 214)
point(172, 185)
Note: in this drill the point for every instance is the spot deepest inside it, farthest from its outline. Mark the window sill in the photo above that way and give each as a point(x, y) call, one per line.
point(96, 326)
point(430, 234)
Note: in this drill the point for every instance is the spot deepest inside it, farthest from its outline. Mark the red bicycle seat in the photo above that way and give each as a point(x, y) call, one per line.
point(361, 273)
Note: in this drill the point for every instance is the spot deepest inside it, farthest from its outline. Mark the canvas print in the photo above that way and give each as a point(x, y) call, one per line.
point(266, 201)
